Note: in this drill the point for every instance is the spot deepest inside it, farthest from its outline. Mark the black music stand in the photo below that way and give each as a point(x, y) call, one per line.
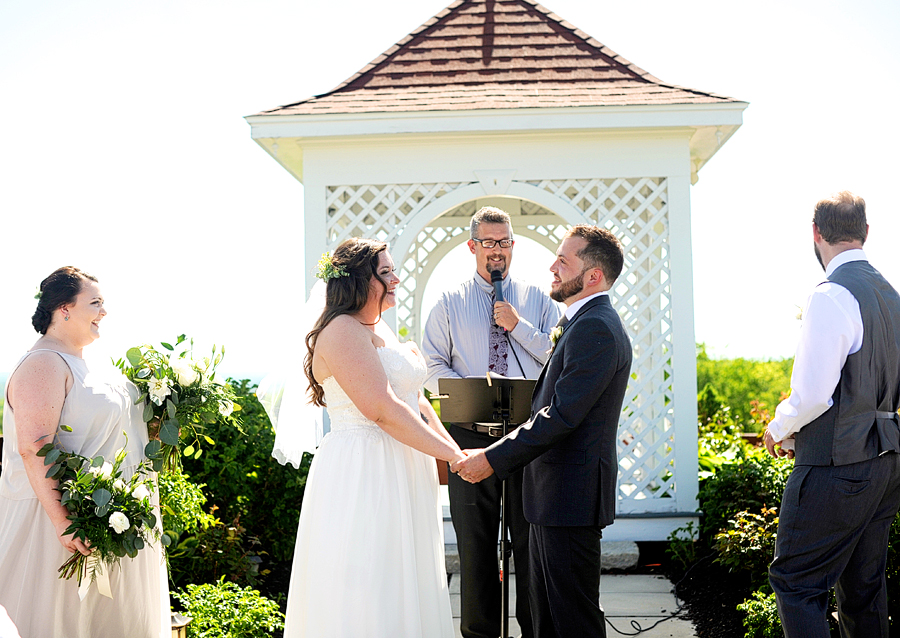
point(490, 400)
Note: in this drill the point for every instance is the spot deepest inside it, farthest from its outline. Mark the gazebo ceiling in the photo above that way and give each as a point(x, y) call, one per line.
point(496, 54)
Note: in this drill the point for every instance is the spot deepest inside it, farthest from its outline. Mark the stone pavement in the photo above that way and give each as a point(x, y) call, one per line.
point(641, 598)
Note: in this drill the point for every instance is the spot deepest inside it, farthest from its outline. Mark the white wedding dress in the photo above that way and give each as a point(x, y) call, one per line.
point(369, 558)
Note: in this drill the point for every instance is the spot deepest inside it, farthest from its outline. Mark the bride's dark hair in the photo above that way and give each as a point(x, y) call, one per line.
point(344, 295)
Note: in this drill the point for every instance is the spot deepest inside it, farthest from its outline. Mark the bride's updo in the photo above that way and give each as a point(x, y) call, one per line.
point(347, 278)
point(59, 289)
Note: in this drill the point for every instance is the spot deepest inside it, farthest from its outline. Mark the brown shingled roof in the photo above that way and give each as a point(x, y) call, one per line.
point(488, 54)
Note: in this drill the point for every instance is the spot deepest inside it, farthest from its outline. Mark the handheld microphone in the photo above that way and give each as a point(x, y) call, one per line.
point(497, 280)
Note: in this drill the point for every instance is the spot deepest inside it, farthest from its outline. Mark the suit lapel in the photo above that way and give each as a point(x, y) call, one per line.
point(591, 304)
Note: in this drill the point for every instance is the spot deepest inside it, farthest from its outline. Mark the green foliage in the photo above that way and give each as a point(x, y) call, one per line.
point(215, 552)
point(740, 381)
point(243, 481)
point(761, 620)
point(748, 544)
point(752, 481)
point(683, 545)
point(224, 610)
point(181, 502)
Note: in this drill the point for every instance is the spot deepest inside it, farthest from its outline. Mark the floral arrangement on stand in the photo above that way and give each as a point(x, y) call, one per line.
point(114, 515)
point(181, 397)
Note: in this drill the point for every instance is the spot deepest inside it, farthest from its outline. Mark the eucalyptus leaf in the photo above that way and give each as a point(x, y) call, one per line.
point(97, 462)
point(101, 496)
point(101, 510)
point(134, 357)
point(157, 464)
point(138, 543)
point(52, 455)
point(151, 450)
point(166, 539)
point(43, 451)
point(143, 373)
point(148, 413)
point(168, 432)
point(170, 408)
point(174, 396)
point(51, 473)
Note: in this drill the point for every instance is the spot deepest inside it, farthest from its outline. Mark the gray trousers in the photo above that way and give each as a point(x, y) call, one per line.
point(833, 530)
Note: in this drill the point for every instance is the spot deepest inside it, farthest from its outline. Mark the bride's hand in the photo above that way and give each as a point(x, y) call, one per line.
point(457, 458)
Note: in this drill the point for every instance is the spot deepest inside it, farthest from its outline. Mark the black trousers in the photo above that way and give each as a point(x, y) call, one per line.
point(565, 582)
point(833, 530)
point(476, 519)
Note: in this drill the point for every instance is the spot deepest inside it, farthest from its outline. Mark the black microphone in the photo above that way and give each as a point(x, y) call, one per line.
point(497, 280)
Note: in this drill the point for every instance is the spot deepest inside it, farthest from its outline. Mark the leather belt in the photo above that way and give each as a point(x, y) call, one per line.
point(495, 431)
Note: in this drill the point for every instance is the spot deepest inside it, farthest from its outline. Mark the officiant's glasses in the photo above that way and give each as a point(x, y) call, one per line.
point(490, 243)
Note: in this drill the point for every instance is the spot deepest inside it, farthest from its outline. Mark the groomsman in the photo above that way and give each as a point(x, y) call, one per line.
point(840, 425)
point(469, 333)
point(568, 446)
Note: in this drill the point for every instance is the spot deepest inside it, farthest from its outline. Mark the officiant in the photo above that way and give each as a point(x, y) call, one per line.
point(471, 332)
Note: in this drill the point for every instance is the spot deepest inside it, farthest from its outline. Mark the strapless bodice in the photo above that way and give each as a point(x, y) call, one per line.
point(405, 371)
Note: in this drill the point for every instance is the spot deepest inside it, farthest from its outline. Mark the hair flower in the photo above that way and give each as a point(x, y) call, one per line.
point(326, 269)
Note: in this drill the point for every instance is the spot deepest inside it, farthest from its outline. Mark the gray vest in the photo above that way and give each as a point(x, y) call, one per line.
point(862, 423)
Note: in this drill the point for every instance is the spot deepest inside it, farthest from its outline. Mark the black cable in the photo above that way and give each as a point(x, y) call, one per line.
point(675, 614)
point(506, 333)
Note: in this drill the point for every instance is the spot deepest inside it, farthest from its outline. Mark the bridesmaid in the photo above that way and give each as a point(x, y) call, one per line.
point(52, 385)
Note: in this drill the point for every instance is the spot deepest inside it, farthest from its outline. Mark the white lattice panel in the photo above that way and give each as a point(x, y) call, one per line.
point(636, 210)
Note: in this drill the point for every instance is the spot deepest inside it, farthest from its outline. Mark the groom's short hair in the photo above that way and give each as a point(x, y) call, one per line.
point(841, 217)
point(602, 251)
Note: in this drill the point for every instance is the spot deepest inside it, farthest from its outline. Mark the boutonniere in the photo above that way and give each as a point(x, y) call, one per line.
point(555, 334)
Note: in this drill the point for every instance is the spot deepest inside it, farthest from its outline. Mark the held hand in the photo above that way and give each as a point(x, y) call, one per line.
point(774, 447)
point(505, 315)
point(69, 542)
point(475, 468)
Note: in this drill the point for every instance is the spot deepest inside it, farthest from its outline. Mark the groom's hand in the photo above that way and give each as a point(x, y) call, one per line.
point(474, 468)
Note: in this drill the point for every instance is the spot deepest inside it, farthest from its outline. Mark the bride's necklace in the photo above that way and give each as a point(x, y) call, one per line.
point(370, 324)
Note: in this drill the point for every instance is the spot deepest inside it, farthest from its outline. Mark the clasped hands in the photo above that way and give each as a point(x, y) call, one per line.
point(474, 467)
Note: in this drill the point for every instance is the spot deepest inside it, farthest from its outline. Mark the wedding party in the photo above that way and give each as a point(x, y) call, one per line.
point(440, 318)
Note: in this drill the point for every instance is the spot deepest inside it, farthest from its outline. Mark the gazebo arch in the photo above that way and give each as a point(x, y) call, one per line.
point(553, 124)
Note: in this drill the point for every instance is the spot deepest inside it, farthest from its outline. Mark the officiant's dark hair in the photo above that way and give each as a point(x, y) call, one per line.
point(345, 295)
point(602, 251)
point(60, 288)
point(841, 217)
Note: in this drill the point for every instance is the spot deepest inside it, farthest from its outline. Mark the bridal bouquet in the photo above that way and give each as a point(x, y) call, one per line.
point(181, 398)
point(115, 516)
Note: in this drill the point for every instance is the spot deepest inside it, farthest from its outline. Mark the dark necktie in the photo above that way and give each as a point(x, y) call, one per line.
point(562, 322)
point(497, 347)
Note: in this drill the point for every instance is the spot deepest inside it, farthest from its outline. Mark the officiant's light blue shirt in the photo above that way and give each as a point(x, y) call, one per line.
point(457, 331)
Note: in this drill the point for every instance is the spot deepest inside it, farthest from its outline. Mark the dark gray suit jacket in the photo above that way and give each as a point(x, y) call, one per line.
point(569, 443)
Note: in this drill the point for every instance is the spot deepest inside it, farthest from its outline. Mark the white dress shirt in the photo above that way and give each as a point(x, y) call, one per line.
point(576, 306)
point(832, 330)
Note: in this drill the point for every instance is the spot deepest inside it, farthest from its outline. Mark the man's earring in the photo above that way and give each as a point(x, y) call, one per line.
point(67, 318)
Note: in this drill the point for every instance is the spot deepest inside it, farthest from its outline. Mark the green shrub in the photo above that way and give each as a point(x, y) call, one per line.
point(245, 483)
point(224, 610)
point(747, 544)
point(682, 547)
point(740, 381)
point(181, 502)
point(761, 620)
point(752, 481)
point(214, 552)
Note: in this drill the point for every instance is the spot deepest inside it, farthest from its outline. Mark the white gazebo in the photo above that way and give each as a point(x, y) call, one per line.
point(501, 101)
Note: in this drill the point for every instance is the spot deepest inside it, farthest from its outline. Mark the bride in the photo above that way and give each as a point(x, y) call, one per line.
point(369, 558)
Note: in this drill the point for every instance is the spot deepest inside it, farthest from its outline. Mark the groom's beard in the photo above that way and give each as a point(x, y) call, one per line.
point(568, 288)
point(818, 255)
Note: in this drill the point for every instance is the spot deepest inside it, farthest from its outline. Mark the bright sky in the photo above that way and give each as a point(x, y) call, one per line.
point(125, 153)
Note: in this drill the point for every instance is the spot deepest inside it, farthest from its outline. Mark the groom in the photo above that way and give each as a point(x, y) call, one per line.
point(568, 446)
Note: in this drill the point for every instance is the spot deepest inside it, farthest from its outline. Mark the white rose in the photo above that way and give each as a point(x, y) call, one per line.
point(159, 389)
point(184, 370)
point(141, 492)
point(226, 407)
point(103, 471)
point(119, 485)
point(119, 522)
